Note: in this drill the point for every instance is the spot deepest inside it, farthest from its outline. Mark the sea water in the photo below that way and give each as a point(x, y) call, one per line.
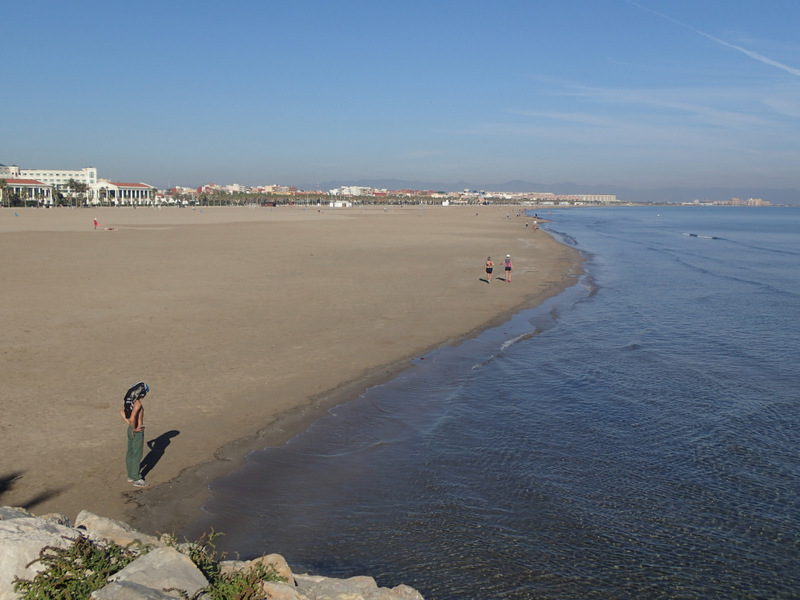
point(637, 436)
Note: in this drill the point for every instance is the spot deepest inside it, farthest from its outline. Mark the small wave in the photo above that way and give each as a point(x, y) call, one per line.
point(567, 238)
point(505, 346)
point(705, 237)
point(525, 336)
point(483, 363)
point(353, 449)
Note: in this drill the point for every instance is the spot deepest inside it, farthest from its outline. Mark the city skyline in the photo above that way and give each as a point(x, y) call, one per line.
point(645, 94)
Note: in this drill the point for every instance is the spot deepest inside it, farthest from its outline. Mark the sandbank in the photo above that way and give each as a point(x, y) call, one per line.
point(247, 323)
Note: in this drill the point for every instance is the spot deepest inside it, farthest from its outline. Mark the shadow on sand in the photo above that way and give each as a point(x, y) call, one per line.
point(7, 483)
point(157, 447)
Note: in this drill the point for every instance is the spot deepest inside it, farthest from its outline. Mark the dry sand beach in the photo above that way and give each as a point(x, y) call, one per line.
point(247, 323)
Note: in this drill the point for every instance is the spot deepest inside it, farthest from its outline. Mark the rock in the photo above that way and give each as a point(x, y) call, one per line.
point(160, 570)
point(103, 528)
point(281, 591)
point(404, 591)
point(231, 566)
point(21, 539)
point(13, 512)
point(56, 518)
point(22, 536)
point(354, 588)
point(126, 590)
point(277, 562)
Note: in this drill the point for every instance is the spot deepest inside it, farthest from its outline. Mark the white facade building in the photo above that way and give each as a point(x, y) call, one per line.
point(599, 198)
point(38, 185)
point(54, 177)
point(121, 194)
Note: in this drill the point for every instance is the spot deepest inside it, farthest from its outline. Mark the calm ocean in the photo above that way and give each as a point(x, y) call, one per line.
point(636, 437)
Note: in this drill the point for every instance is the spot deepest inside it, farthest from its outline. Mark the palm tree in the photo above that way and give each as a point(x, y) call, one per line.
point(77, 189)
point(3, 185)
point(82, 190)
point(71, 186)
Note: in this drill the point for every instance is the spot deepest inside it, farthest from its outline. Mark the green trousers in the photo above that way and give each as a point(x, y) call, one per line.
point(133, 458)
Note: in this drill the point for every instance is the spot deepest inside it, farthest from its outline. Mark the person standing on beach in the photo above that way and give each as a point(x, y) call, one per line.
point(133, 414)
point(509, 268)
point(489, 268)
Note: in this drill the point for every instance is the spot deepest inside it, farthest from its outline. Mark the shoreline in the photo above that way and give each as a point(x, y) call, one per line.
point(174, 505)
point(235, 317)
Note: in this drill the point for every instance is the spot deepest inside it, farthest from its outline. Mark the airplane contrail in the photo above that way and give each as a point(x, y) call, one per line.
point(751, 54)
point(754, 55)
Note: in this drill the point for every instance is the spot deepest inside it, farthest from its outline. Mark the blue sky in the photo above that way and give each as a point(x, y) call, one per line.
point(642, 94)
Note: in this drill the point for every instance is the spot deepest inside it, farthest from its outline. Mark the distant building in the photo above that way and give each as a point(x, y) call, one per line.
point(40, 183)
point(30, 190)
point(599, 198)
point(121, 194)
point(351, 190)
point(57, 178)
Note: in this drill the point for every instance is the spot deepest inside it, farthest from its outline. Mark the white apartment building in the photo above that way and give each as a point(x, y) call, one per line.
point(55, 177)
point(599, 198)
point(351, 190)
point(39, 184)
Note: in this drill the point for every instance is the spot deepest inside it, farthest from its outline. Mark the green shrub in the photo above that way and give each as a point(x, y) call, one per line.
point(239, 585)
point(75, 572)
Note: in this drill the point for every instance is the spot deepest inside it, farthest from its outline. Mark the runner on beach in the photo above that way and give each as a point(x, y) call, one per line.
point(489, 268)
point(509, 268)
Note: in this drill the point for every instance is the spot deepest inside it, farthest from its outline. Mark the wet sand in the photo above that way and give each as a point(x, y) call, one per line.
point(247, 323)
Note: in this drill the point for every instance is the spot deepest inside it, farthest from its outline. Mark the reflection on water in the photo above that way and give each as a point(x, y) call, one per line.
point(642, 444)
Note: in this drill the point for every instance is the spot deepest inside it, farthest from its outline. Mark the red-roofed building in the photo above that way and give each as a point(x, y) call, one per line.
point(118, 193)
point(30, 190)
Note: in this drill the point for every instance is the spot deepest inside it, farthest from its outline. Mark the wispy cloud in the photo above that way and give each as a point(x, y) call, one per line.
point(751, 54)
point(700, 104)
point(754, 55)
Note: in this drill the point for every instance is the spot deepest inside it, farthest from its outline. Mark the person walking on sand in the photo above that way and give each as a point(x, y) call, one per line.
point(489, 269)
point(509, 268)
point(133, 414)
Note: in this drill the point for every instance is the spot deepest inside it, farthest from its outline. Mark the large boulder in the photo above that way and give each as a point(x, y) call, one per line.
point(315, 587)
point(281, 591)
point(21, 540)
point(277, 562)
point(125, 590)
point(103, 528)
point(13, 512)
point(163, 571)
